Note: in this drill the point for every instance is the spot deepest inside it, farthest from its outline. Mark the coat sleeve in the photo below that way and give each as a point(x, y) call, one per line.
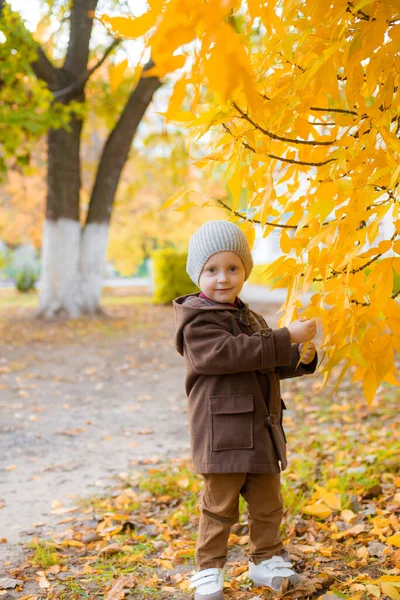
point(213, 350)
point(288, 371)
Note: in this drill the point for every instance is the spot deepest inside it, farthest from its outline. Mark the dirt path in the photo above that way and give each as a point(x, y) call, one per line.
point(79, 406)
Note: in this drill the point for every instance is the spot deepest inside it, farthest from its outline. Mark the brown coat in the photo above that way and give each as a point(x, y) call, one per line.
point(234, 363)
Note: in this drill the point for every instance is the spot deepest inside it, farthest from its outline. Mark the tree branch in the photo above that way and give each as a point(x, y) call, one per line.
point(364, 266)
point(320, 109)
point(238, 214)
point(81, 21)
point(116, 149)
point(273, 136)
point(291, 161)
point(82, 79)
point(336, 110)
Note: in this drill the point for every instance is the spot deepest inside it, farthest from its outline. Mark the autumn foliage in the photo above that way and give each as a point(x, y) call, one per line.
point(300, 101)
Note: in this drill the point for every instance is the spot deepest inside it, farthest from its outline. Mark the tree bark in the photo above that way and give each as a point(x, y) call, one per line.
point(116, 149)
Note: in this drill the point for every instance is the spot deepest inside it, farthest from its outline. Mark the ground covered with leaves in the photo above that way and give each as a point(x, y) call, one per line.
point(341, 525)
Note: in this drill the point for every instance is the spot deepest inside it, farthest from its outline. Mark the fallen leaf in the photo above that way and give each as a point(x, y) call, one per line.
point(62, 510)
point(394, 540)
point(72, 543)
point(44, 583)
point(317, 510)
point(110, 550)
point(124, 582)
point(390, 590)
point(347, 515)
point(145, 431)
point(305, 548)
point(330, 499)
point(374, 590)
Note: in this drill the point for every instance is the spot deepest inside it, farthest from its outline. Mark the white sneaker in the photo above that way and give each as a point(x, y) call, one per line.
point(209, 584)
point(272, 572)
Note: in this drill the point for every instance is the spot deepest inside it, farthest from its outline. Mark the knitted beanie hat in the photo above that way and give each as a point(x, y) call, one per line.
point(213, 237)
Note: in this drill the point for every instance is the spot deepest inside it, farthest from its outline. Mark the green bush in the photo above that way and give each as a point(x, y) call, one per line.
point(170, 277)
point(25, 279)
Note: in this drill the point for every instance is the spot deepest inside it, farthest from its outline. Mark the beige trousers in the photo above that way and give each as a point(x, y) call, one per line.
point(220, 510)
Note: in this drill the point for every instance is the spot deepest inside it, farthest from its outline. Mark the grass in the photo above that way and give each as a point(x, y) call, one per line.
point(44, 554)
point(170, 483)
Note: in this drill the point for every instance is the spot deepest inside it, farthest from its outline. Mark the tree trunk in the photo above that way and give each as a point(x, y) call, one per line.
point(113, 159)
point(92, 264)
point(72, 268)
point(59, 281)
point(73, 260)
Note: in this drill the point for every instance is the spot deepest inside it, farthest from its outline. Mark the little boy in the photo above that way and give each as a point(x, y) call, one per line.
point(234, 363)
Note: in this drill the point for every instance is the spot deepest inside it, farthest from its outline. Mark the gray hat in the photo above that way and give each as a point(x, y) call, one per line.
point(213, 237)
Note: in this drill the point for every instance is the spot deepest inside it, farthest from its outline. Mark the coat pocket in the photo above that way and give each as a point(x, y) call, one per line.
point(232, 423)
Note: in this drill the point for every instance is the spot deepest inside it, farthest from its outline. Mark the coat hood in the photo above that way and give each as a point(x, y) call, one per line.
point(189, 306)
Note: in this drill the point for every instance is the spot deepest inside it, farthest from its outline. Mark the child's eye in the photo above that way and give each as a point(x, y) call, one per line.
point(211, 269)
point(234, 268)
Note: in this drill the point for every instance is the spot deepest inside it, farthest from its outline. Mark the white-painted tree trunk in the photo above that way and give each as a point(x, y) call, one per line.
point(93, 257)
point(72, 267)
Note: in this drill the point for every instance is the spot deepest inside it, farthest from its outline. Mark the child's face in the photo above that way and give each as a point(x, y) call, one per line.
point(222, 276)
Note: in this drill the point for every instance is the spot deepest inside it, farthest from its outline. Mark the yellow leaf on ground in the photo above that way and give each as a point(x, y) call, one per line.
point(394, 540)
point(374, 590)
point(330, 499)
point(72, 543)
point(318, 510)
point(347, 515)
point(389, 590)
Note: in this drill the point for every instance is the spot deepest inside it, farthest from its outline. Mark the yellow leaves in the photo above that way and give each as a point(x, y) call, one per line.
point(176, 99)
point(394, 540)
point(382, 277)
point(390, 590)
point(332, 500)
point(326, 503)
point(249, 232)
point(168, 65)
point(392, 314)
point(287, 87)
point(130, 27)
point(176, 197)
point(116, 74)
point(235, 186)
point(317, 510)
point(285, 242)
point(72, 543)
point(227, 67)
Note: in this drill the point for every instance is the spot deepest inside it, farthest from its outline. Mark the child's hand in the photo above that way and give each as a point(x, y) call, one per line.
point(302, 330)
point(308, 354)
